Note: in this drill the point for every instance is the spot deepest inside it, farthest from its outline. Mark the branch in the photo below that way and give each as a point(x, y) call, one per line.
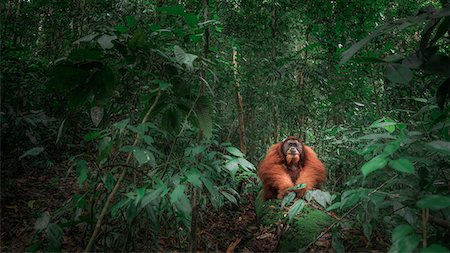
point(349, 212)
point(116, 187)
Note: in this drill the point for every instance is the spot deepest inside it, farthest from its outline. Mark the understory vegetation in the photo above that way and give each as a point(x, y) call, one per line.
point(138, 125)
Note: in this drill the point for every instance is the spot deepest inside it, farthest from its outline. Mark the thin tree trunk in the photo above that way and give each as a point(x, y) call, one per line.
point(276, 122)
point(239, 103)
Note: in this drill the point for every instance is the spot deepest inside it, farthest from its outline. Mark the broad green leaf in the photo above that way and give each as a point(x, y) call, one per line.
point(144, 156)
point(402, 165)
point(367, 230)
point(234, 151)
point(434, 202)
point(287, 199)
point(183, 205)
point(376, 163)
point(153, 194)
point(215, 196)
point(82, 171)
point(246, 164)
point(334, 206)
point(435, 248)
point(440, 146)
point(295, 209)
point(377, 137)
point(163, 85)
point(398, 73)
point(232, 165)
point(121, 28)
point(115, 208)
point(122, 124)
point(54, 235)
point(140, 192)
point(92, 135)
point(177, 193)
point(109, 181)
point(105, 41)
point(104, 148)
point(194, 178)
point(184, 58)
point(131, 21)
point(407, 244)
point(203, 112)
point(391, 147)
point(230, 197)
point(191, 19)
point(42, 222)
point(32, 152)
point(401, 231)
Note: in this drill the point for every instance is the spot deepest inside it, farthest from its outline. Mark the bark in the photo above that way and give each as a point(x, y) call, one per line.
point(239, 104)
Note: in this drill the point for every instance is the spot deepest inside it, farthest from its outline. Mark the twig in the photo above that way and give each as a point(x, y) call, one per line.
point(349, 212)
point(116, 187)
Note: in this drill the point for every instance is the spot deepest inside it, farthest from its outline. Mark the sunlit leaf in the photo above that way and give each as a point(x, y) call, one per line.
point(376, 163)
point(402, 165)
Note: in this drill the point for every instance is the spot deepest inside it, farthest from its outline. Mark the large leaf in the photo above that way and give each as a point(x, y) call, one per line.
point(434, 202)
point(440, 146)
point(32, 152)
point(177, 193)
point(376, 163)
point(105, 41)
point(143, 156)
point(296, 208)
point(82, 171)
point(184, 58)
point(402, 165)
point(398, 73)
point(234, 151)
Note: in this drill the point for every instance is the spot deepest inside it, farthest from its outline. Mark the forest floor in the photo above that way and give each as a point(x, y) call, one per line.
point(232, 228)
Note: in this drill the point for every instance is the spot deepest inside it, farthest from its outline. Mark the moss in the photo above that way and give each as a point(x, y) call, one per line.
point(303, 229)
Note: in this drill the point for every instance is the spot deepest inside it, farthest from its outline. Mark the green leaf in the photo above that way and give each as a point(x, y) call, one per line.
point(184, 58)
point(246, 164)
point(177, 193)
point(440, 146)
point(115, 208)
point(215, 196)
point(82, 171)
point(376, 163)
point(144, 156)
point(91, 136)
point(193, 177)
point(153, 194)
point(234, 151)
point(42, 222)
point(287, 199)
point(109, 181)
point(191, 20)
point(232, 165)
point(121, 28)
point(406, 244)
point(402, 165)
point(105, 41)
point(377, 137)
point(163, 85)
point(334, 206)
point(54, 235)
point(131, 21)
point(32, 152)
point(434, 202)
point(105, 149)
point(435, 248)
point(230, 197)
point(183, 205)
point(295, 208)
point(122, 124)
point(401, 231)
point(398, 73)
point(391, 147)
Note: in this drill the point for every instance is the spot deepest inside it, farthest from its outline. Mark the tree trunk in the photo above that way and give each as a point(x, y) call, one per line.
point(239, 104)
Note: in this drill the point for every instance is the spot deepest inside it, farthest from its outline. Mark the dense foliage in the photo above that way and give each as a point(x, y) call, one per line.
point(158, 112)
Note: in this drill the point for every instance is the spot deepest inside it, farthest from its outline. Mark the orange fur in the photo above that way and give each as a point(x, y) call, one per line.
point(277, 178)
